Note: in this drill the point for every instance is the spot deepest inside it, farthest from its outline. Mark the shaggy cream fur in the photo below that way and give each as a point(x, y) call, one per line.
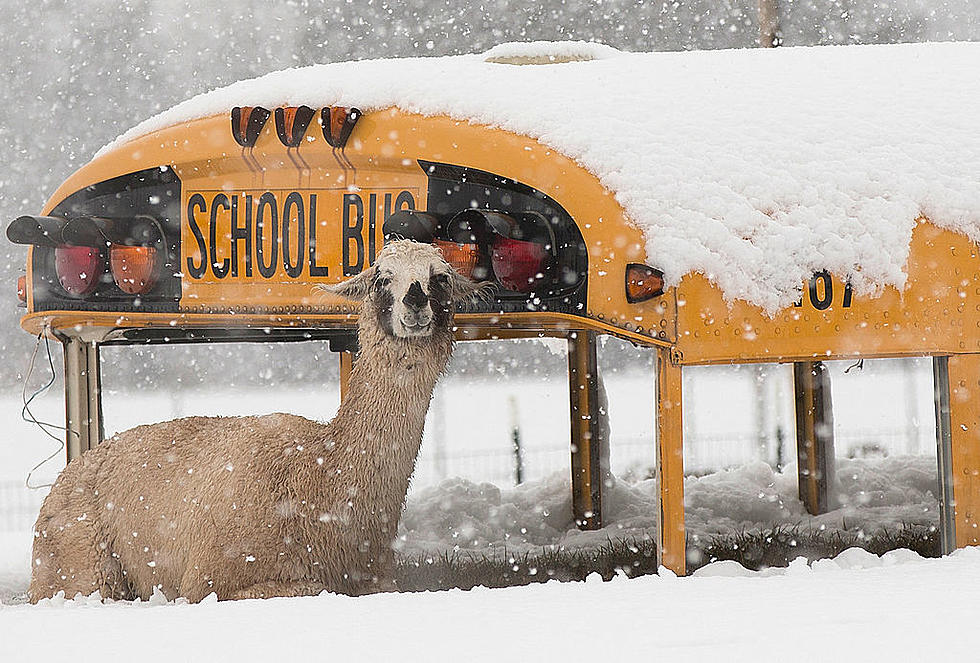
point(261, 506)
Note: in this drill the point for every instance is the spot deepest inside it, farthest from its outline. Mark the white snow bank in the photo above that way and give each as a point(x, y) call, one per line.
point(898, 610)
point(754, 167)
point(548, 52)
point(463, 516)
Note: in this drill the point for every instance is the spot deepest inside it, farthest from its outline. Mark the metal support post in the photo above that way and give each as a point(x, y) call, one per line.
point(83, 396)
point(814, 436)
point(346, 366)
point(585, 438)
point(671, 548)
point(957, 389)
point(346, 346)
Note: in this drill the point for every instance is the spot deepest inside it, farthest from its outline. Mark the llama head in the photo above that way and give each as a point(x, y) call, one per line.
point(411, 290)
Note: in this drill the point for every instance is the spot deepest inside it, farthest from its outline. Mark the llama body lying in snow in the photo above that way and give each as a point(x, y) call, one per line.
point(273, 505)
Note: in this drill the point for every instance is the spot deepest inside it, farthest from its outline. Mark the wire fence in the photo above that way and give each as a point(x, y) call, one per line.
point(19, 505)
point(631, 458)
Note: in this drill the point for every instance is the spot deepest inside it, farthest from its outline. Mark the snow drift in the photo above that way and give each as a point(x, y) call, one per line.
point(459, 515)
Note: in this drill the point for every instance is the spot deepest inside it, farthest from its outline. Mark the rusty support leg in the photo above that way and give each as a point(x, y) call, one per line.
point(957, 385)
point(83, 396)
point(585, 438)
point(814, 435)
point(671, 548)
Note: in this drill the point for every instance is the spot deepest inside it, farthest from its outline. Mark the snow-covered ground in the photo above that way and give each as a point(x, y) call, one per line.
point(857, 608)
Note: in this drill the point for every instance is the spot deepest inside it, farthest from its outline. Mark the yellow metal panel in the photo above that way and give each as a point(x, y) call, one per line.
point(937, 313)
point(964, 411)
point(670, 464)
point(470, 326)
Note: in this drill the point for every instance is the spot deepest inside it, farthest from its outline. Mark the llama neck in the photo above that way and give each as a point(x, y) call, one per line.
point(387, 399)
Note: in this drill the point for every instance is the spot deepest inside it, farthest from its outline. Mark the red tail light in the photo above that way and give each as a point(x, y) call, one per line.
point(22, 289)
point(79, 268)
point(463, 257)
point(518, 265)
point(134, 268)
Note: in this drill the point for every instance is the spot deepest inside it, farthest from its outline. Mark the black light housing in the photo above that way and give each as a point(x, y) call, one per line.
point(92, 231)
point(247, 123)
point(411, 224)
point(292, 123)
point(37, 230)
point(337, 124)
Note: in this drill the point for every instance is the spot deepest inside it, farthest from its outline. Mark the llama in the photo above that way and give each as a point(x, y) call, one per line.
point(262, 506)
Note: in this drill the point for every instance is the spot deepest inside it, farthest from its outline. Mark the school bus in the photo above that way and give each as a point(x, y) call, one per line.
point(218, 229)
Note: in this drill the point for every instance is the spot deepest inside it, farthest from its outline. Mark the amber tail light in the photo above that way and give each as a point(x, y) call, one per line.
point(79, 268)
point(643, 283)
point(135, 269)
point(463, 257)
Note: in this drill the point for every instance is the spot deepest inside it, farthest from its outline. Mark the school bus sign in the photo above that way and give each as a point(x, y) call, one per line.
point(278, 242)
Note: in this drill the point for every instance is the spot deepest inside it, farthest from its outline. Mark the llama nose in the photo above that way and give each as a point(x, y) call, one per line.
point(415, 299)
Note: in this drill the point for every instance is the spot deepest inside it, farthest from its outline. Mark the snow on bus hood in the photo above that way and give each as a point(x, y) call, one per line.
point(753, 167)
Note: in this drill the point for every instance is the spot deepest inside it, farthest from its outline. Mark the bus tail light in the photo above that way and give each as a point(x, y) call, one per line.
point(643, 283)
point(79, 268)
point(521, 251)
point(135, 269)
point(517, 264)
point(463, 257)
point(22, 289)
point(466, 244)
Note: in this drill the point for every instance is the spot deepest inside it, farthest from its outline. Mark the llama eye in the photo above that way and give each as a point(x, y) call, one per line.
point(381, 282)
point(441, 279)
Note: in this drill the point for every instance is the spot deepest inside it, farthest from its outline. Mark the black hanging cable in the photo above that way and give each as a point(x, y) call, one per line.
point(29, 417)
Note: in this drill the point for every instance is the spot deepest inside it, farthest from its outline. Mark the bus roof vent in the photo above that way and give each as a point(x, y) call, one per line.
point(548, 52)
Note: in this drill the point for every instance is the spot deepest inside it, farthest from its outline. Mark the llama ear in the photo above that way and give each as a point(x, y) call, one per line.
point(355, 288)
point(463, 288)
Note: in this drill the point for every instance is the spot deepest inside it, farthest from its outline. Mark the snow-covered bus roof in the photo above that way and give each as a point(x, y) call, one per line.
point(754, 167)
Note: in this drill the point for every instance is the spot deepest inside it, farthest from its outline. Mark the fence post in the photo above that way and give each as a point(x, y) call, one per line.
point(515, 438)
point(768, 23)
point(911, 407)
